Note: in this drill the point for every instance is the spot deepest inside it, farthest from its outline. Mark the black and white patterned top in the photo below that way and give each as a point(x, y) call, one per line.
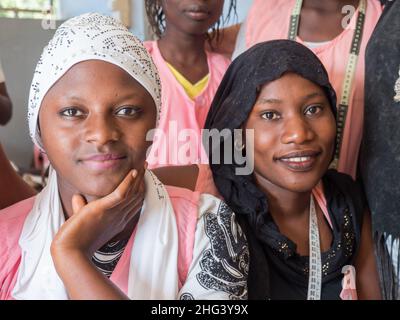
point(107, 257)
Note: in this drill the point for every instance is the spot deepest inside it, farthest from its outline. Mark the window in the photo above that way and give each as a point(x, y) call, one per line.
point(32, 9)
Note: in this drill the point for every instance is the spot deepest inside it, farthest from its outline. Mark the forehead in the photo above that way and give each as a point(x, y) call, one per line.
point(98, 78)
point(290, 85)
point(96, 70)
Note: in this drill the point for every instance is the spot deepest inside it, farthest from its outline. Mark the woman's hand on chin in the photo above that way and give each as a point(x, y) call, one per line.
point(91, 226)
point(94, 224)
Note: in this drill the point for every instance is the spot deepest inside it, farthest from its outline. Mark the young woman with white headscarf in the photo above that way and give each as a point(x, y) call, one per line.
point(105, 227)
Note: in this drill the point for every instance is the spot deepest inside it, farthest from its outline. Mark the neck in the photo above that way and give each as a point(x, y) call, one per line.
point(284, 204)
point(180, 47)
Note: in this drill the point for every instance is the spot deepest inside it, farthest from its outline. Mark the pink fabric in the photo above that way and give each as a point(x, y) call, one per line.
point(205, 181)
point(180, 112)
point(269, 20)
point(11, 223)
point(184, 202)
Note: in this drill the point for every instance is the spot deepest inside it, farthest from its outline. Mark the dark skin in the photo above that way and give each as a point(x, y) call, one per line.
point(294, 130)
point(12, 188)
point(182, 43)
point(292, 115)
point(5, 105)
point(319, 21)
point(96, 141)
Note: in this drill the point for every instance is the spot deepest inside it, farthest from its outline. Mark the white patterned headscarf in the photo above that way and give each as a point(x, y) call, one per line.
point(90, 37)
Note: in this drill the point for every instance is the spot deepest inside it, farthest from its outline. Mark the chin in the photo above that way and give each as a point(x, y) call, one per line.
point(100, 188)
point(302, 185)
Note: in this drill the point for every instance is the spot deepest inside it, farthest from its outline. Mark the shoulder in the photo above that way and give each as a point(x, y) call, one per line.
point(219, 62)
point(342, 182)
point(18, 211)
point(220, 263)
point(342, 191)
point(11, 223)
point(149, 45)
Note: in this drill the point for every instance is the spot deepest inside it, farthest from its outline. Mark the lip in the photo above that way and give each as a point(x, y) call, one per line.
point(197, 12)
point(299, 161)
point(103, 161)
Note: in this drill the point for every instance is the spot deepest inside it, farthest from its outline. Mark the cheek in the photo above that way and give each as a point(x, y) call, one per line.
point(57, 141)
point(327, 131)
point(264, 140)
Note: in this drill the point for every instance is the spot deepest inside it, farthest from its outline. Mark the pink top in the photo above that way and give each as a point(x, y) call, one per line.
point(181, 117)
point(184, 202)
point(269, 20)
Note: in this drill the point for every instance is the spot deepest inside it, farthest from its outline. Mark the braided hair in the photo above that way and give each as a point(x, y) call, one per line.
point(156, 17)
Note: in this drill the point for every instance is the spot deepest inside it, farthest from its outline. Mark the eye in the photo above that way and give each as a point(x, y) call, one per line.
point(71, 112)
point(128, 111)
point(271, 115)
point(314, 109)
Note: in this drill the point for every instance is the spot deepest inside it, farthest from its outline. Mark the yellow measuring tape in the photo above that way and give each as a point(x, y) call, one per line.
point(351, 67)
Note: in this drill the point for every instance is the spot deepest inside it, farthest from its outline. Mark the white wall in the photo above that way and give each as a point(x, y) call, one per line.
point(68, 9)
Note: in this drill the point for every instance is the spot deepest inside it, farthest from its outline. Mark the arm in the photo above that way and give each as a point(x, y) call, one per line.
point(178, 176)
point(365, 264)
point(82, 279)
point(91, 226)
point(12, 188)
point(220, 263)
point(5, 105)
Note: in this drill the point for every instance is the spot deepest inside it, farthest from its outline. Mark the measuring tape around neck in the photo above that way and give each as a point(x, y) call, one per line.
point(351, 67)
point(315, 269)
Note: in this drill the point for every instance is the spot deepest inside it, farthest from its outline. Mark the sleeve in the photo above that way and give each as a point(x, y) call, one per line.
point(220, 264)
point(2, 77)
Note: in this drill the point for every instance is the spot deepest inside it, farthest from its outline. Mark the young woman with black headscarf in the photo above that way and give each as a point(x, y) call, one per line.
point(308, 227)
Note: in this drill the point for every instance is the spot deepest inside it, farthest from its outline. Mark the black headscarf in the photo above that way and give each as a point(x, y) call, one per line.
point(236, 96)
point(231, 107)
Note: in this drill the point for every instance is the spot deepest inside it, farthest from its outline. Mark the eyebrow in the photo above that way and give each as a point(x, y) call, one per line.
point(129, 95)
point(279, 101)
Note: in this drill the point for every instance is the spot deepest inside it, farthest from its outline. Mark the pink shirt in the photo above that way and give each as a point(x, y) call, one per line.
point(184, 202)
point(269, 20)
point(181, 117)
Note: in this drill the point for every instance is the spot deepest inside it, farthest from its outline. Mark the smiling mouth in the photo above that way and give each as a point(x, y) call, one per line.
point(299, 161)
point(103, 162)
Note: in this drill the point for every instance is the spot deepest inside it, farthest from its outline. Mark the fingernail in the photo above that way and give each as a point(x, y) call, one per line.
point(134, 173)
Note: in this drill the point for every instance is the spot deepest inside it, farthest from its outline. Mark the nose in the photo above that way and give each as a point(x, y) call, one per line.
point(297, 130)
point(101, 129)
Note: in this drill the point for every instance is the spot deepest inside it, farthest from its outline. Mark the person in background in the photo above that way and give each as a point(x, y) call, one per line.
point(5, 101)
point(12, 188)
point(189, 74)
point(380, 151)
